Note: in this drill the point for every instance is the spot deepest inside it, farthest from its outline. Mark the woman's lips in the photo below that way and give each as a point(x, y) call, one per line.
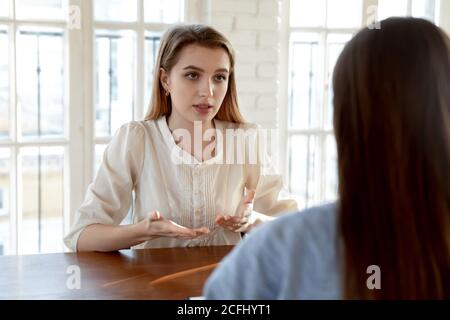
point(203, 108)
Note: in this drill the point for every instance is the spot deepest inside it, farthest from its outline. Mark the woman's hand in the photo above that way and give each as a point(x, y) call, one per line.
point(242, 221)
point(157, 226)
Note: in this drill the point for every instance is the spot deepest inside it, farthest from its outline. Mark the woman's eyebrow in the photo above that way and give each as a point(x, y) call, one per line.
point(201, 70)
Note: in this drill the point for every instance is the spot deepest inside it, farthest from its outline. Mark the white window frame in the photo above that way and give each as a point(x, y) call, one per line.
point(285, 132)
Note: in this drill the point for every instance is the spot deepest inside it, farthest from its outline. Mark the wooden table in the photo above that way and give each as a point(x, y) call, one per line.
point(175, 273)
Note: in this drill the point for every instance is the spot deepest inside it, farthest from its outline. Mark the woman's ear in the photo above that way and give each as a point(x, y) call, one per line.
point(164, 78)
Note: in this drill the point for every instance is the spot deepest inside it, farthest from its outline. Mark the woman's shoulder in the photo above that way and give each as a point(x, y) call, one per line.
point(139, 126)
point(132, 125)
point(129, 135)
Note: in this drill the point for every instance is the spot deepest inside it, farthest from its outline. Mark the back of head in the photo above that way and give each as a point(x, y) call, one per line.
point(392, 126)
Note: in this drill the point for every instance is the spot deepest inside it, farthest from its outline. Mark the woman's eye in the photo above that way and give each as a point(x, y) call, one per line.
point(192, 76)
point(221, 78)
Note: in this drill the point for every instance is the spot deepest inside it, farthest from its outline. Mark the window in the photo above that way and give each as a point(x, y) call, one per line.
point(33, 133)
point(428, 9)
point(64, 91)
point(318, 31)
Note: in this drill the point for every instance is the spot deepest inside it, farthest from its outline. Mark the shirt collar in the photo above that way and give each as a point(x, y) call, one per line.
point(170, 143)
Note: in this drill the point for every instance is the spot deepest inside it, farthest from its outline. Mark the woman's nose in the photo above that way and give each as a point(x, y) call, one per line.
point(207, 89)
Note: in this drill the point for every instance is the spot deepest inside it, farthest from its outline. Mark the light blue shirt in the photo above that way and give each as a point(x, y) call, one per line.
point(292, 257)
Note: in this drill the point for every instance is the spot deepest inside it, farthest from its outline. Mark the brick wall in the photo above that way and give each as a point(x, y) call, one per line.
point(252, 26)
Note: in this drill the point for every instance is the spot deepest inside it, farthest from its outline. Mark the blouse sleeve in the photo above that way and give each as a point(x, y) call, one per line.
point(108, 197)
point(271, 196)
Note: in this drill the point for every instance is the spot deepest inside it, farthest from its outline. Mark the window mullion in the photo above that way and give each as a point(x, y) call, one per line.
point(19, 201)
point(409, 8)
point(323, 171)
point(89, 88)
point(315, 131)
point(50, 24)
point(321, 109)
point(139, 79)
point(318, 187)
point(283, 96)
point(444, 19)
point(16, 221)
point(74, 150)
point(115, 25)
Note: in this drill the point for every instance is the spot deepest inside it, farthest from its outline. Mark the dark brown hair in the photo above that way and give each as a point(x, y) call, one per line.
point(172, 42)
point(392, 126)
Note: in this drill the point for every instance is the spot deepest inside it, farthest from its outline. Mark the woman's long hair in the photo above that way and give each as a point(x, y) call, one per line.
point(172, 42)
point(392, 126)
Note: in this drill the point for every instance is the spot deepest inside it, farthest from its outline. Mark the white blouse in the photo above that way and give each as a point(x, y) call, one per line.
point(139, 159)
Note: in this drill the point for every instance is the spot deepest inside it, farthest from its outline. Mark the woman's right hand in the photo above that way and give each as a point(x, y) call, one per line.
point(155, 226)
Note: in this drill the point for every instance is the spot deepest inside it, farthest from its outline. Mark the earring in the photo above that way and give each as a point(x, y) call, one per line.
point(167, 93)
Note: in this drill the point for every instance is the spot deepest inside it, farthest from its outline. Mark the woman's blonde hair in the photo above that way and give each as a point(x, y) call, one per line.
point(172, 42)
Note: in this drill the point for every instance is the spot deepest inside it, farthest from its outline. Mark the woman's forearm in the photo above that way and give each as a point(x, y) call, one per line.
point(101, 237)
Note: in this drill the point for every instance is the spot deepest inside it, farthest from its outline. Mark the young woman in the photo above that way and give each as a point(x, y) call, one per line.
point(184, 193)
point(388, 237)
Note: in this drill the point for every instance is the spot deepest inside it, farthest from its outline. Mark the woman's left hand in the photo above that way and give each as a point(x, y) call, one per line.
point(241, 222)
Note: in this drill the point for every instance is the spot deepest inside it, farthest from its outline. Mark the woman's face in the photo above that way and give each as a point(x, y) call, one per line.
point(197, 83)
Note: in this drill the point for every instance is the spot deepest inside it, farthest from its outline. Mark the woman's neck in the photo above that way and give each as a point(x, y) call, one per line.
point(202, 150)
point(174, 123)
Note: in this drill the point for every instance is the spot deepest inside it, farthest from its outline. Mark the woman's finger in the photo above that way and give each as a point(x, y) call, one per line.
point(222, 221)
point(184, 231)
point(177, 229)
point(232, 223)
point(235, 219)
point(155, 216)
point(168, 228)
